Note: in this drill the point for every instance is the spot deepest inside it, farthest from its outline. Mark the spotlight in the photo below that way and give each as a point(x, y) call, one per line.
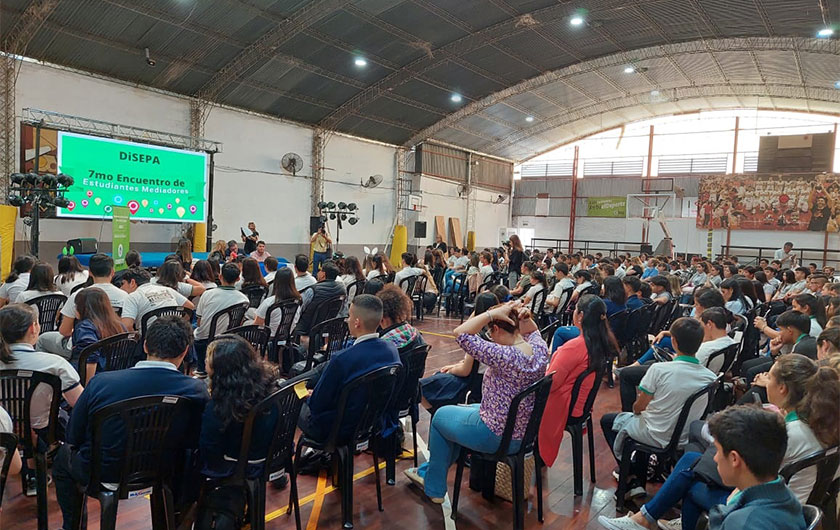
point(332, 216)
point(30, 178)
point(15, 200)
point(323, 219)
point(151, 62)
point(344, 217)
point(61, 202)
point(17, 178)
point(353, 220)
point(576, 20)
point(352, 206)
point(64, 180)
point(360, 61)
point(49, 180)
point(529, 119)
point(342, 205)
point(322, 205)
point(629, 69)
point(456, 98)
point(825, 33)
point(331, 205)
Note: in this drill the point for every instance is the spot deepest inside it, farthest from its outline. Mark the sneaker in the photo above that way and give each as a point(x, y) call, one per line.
point(32, 485)
point(635, 489)
point(615, 473)
point(280, 483)
point(673, 524)
point(417, 480)
point(619, 523)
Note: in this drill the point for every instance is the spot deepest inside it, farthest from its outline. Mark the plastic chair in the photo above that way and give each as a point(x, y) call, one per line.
point(667, 454)
point(120, 352)
point(407, 284)
point(146, 461)
point(639, 322)
point(618, 324)
point(538, 305)
point(324, 311)
point(48, 307)
point(375, 389)
point(450, 295)
point(234, 316)
point(256, 294)
point(729, 353)
point(813, 516)
point(283, 334)
point(417, 296)
point(16, 390)
point(256, 335)
point(8, 443)
point(149, 317)
point(325, 339)
point(575, 426)
point(278, 459)
point(825, 489)
point(537, 394)
point(406, 400)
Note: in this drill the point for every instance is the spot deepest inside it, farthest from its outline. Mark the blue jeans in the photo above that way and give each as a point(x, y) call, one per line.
point(317, 259)
point(683, 485)
point(665, 344)
point(563, 335)
point(454, 426)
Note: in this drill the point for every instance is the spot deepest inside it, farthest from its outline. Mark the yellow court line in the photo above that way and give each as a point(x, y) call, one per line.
point(437, 334)
point(319, 501)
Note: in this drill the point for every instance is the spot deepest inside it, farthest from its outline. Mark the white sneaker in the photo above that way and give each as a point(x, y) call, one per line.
point(619, 523)
point(673, 524)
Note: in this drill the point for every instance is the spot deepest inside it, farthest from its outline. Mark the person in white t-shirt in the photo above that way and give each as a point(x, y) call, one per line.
point(563, 283)
point(102, 271)
point(171, 274)
point(40, 284)
point(271, 265)
point(17, 281)
point(786, 256)
point(144, 296)
point(260, 254)
point(409, 269)
point(8, 427)
point(70, 274)
point(213, 302)
point(302, 277)
point(485, 269)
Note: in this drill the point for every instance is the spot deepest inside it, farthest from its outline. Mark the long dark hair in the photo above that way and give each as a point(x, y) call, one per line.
point(184, 253)
point(813, 392)
point(21, 265)
point(815, 305)
point(94, 305)
point(251, 273)
point(284, 285)
point(747, 289)
point(239, 379)
point(352, 266)
point(735, 286)
point(597, 335)
point(68, 267)
point(614, 290)
point(202, 271)
point(41, 278)
point(15, 320)
point(540, 277)
point(170, 274)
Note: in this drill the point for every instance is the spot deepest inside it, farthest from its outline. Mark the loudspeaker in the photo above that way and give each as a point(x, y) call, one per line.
point(420, 229)
point(83, 245)
point(647, 248)
point(314, 224)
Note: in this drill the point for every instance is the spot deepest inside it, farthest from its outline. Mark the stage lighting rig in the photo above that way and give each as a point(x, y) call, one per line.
point(340, 213)
point(41, 190)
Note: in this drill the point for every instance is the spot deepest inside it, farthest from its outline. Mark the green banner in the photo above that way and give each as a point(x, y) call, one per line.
point(120, 235)
point(606, 206)
point(155, 183)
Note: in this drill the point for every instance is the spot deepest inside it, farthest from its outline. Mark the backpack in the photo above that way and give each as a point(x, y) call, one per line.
point(221, 508)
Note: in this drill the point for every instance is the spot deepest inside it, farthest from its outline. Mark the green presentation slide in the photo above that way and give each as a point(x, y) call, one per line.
point(154, 183)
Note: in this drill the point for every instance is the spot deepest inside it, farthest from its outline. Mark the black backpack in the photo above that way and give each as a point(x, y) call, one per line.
point(221, 508)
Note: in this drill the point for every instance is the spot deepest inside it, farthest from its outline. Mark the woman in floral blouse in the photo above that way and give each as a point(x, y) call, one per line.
point(516, 358)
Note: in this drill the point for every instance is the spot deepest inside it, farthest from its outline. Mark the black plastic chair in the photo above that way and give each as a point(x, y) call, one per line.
point(639, 322)
point(729, 353)
point(618, 324)
point(461, 297)
point(406, 401)
point(376, 389)
point(407, 284)
point(233, 317)
point(120, 352)
point(813, 516)
point(824, 492)
point(390, 277)
point(449, 296)
point(538, 305)
point(417, 295)
point(146, 461)
point(278, 459)
point(575, 426)
point(670, 453)
point(283, 334)
point(149, 317)
point(538, 394)
point(8, 444)
point(16, 390)
point(48, 307)
point(326, 310)
point(256, 294)
point(326, 338)
point(257, 336)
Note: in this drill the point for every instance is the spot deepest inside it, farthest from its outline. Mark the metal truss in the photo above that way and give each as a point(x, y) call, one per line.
point(319, 140)
point(753, 44)
point(66, 122)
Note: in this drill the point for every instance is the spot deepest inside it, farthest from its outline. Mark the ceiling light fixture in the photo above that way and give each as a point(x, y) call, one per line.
point(837, 85)
point(629, 69)
point(576, 20)
point(456, 98)
point(360, 61)
point(529, 119)
point(654, 93)
point(825, 32)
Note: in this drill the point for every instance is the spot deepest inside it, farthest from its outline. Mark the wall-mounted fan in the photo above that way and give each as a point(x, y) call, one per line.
point(372, 181)
point(462, 190)
point(292, 162)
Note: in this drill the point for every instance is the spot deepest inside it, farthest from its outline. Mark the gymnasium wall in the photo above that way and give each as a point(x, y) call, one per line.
point(249, 182)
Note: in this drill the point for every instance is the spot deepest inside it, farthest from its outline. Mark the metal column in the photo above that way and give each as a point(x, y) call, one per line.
point(573, 208)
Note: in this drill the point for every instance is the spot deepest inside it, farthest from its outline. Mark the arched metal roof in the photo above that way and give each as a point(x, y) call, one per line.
point(508, 59)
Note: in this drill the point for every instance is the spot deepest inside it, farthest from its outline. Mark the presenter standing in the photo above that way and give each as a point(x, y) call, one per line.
point(319, 241)
point(786, 256)
point(251, 239)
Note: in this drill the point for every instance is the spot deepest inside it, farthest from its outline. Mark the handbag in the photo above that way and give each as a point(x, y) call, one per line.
point(705, 469)
point(504, 479)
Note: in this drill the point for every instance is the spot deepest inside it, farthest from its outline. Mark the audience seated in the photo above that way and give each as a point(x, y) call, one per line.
point(828, 344)
point(396, 309)
point(326, 288)
point(792, 337)
point(632, 286)
point(660, 288)
point(171, 274)
point(302, 277)
point(589, 349)
point(144, 296)
point(283, 289)
point(662, 393)
point(615, 299)
point(409, 268)
point(166, 344)
point(102, 272)
point(213, 302)
point(517, 356)
point(538, 284)
point(271, 264)
point(70, 274)
point(251, 275)
point(17, 281)
point(352, 271)
point(367, 354)
point(95, 320)
point(562, 283)
point(40, 284)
